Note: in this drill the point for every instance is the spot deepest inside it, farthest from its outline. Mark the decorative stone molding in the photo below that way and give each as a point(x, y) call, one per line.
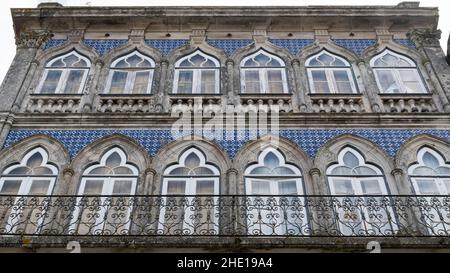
point(425, 37)
point(337, 104)
point(260, 35)
point(125, 104)
point(38, 103)
point(32, 39)
point(383, 35)
point(321, 35)
point(76, 35)
point(404, 103)
point(315, 172)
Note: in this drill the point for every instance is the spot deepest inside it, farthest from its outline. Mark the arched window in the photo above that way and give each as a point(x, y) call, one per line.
point(352, 176)
point(187, 214)
point(65, 74)
point(328, 73)
point(271, 213)
point(262, 72)
point(106, 185)
point(197, 73)
point(431, 176)
point(30, 180)
point(131, 74)
point(396, 73)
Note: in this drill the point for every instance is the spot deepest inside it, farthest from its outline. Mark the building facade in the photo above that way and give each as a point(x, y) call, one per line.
point(225, 128)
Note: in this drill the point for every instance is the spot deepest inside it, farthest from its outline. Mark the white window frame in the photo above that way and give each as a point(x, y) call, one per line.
point(25, 186)
point(65, 71)
point(331, 81)
point(131, 74)
point(190, 189)
point(395, 72)
point(107, 189)
point(438, 180)
point(196, 74)
point(273, 181)
point(263, 73)
point(356, 182)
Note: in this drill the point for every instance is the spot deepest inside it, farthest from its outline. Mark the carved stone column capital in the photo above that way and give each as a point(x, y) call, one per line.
point(68, 172)
point(150, 171)
point(232, 171)
point(397, 172)
point(32, 39)
point(315, 172)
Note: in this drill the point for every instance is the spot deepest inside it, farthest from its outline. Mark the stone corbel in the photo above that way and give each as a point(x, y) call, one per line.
point(32, 38)
point(136, 35)
point(425, 37)
point(384, 36)
point(321, 35)
point(260, 35)
point(198, 34)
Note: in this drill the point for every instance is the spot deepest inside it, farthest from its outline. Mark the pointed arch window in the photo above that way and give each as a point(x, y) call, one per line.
point(431, 176)
point(273, 187)
point(190, 188)
point(103, 206)
point(329, 73)
point(262, 72)
point(396, 73)
point(363, 214)
point(65, 74)
point(30, 181)
point(131, 74)
point(197, 73)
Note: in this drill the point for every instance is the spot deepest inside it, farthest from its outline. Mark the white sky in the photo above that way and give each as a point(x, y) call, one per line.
point(7, 35)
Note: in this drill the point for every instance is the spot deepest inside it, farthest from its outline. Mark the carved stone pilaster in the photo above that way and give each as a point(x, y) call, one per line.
point(425, 37)
point(32, 39)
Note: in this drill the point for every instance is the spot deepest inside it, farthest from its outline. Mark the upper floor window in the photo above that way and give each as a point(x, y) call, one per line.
point(106, 185)
point(396, 73)
point(358, 215)
point(65, 74)
point(328, 73)
point(131, 74)
point(276, 210)
point(197, 73)
point(33, 176)
point(262, 72)
point(188, 214)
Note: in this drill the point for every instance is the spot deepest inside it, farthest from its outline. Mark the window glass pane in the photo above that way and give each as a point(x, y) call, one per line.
point(343, 186)
point(35, 160)
point(271, 160)
point(275, 81)
point(11, 186)
point(122, 170)
point(113, 160)
point(134, 60)
point(350, 160)
point(443, 171)
point(411, 80)
point(39, 187)
point(141, 82)
point(430, 161)
point(205, 187)
point(387, 81)
point(176, 187)
point(118, 82)
point(100, 170)
point(371, 187)
point(192, 161)
point(447, 185)
point(122, 187)
point(74, 61)
point(185, 79)
point(320, 81)
point(427, 186)
point(93, 187)
point(74, 81)
point(287, 187)
point(342, 81)
point(252, 81)
point(51, 81)
point(260, 187)
point(208, 81)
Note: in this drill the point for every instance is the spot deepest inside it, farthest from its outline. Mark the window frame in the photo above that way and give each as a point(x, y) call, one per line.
point(65, 71)
point(197, 75)
point(131, 75)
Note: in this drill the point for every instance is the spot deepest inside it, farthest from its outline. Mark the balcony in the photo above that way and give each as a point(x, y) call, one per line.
point(338, 103)
point(45, 103)
point(408, 103)
point(224, 216)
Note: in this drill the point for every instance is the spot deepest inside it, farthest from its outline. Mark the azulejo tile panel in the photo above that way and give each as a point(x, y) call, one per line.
point(310, 140)
point(167, 45)
point(230, 45)
point(293, 45)
point(356, 45)
point(54, 43)
point(405, 42)
point(104, 46)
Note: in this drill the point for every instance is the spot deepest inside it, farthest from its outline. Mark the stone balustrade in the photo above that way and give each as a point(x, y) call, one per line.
point(125, 104)
point(408, 103)
point(261, 103)
point(337, 103)
point(51, 103)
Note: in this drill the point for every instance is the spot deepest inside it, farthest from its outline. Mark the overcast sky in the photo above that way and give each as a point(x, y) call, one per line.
point(7, 36)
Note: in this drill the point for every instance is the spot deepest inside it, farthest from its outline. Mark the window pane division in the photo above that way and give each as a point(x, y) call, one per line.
point(274, 206)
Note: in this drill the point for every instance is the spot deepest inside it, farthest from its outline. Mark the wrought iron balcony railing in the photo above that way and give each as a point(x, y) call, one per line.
point(307, 216)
